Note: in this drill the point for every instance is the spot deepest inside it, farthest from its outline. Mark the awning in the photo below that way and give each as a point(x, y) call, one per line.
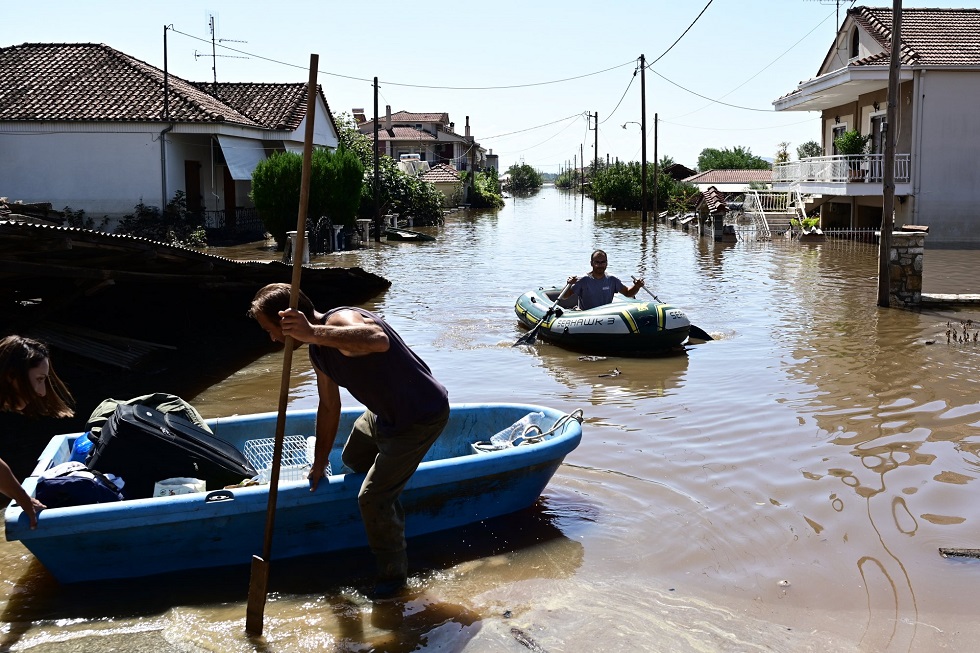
point(241, 155)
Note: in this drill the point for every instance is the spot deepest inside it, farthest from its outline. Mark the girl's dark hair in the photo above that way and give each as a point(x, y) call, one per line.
point(18, 356)
point(271, 299)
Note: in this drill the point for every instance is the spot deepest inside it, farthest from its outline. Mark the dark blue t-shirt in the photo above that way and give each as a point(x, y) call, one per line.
point(396, 385)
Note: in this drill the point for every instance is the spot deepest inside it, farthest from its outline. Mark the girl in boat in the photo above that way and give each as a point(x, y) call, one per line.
point(28, 385)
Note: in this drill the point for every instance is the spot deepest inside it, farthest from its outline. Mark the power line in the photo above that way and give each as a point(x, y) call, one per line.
point(447, 88)
point(784, 53)
point(705, 97)
point(521, 131)
point(682, 35)
point(632, 79)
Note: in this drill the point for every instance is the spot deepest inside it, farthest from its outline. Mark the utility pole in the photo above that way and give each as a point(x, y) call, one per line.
point(596, 165)
point(643, 136)
point(656, 171)
point(377, 194)
point(581, 152)
point(888, 174)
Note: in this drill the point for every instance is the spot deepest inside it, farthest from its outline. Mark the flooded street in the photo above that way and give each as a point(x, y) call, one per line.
point(785, 487)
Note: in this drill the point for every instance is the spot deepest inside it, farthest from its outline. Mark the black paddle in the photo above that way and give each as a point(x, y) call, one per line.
point(694, 332)
point(528, 338)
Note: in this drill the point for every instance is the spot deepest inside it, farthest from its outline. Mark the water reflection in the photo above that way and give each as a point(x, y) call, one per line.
point(612, 379)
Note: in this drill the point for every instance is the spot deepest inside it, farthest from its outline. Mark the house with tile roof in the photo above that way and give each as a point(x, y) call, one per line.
point(937, 182)
point(447, 181)
point(432, 136)
point(729, 181)
point(90, 127)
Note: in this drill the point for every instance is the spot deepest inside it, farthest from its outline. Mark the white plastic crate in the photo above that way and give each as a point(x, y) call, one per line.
point(295, 464)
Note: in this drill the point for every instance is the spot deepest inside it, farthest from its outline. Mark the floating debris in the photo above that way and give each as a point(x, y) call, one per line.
point(959, 553)
point(592, 359)
point(527, 640)
point(962, 333)
point(613, 372)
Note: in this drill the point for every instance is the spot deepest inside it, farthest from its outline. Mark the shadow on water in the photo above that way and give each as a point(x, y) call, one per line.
point(334, 585)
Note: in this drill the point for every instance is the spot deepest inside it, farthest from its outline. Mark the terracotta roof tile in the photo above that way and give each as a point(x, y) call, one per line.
point(94, 83)
point(730, 177)
point(930, 37)
point(403, 134)
point(276, 106)
point(441, 173)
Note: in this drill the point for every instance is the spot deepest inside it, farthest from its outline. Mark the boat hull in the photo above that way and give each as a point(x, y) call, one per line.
point(625, 327)
point(453, 487)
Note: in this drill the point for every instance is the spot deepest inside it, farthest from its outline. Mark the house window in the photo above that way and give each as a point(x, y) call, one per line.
point(878, 130)
point(837, 131)
point(855, 43)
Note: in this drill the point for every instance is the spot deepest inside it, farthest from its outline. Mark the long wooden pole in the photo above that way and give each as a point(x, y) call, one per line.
point(258, 584)
point(643, 138)
point(888, 160)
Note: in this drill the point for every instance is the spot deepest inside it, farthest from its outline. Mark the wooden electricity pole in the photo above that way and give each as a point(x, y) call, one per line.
point(643, 138)
point(656, 171)
point(888, 160)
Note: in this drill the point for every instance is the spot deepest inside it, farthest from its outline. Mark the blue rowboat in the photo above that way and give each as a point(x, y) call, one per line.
point(456, 484)
point(625, 327)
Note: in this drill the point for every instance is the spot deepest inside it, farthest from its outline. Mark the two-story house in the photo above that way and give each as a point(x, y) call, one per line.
point(431, 136)
point(937, 179)
point(86, 126)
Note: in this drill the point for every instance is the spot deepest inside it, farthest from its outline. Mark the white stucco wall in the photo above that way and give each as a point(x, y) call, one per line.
point(945, 172)
point(101, 173)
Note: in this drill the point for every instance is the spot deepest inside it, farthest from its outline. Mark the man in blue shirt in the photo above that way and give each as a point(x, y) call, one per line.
point(597, 288)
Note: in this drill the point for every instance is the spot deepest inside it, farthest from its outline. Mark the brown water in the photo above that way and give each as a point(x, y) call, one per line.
point(785, 487)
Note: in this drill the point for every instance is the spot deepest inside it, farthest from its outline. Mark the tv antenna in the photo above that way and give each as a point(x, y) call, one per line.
point(214, 56)
point(838, 3)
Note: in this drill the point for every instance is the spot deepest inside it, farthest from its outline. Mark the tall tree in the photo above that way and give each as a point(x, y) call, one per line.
point(808, 149)
point(728, 159)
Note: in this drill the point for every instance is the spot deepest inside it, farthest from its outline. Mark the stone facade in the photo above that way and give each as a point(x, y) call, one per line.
point(905, 269)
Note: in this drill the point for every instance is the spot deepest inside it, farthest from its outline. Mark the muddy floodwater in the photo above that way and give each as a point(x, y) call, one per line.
point(785, 487)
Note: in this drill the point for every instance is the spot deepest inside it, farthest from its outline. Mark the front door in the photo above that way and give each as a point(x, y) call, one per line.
point(192, 184)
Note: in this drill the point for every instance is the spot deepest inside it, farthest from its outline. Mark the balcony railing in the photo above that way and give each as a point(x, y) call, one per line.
point(841, 169)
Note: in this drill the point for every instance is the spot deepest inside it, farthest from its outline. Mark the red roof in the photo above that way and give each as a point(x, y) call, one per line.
point(92, 82)
point(930, 37)
point(441, 173)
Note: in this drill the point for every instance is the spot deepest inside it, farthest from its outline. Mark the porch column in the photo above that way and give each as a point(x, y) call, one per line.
point(905, 266)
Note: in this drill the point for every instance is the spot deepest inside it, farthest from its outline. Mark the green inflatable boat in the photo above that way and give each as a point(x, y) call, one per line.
point(624, 327)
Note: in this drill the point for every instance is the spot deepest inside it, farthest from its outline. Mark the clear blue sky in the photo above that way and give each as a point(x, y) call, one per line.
point(499, 62)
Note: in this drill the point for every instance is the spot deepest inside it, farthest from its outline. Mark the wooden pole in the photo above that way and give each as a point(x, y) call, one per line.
point(656, 171)
point(377, 189)
point(258, 584)
point(643, 136)
point(888, 160)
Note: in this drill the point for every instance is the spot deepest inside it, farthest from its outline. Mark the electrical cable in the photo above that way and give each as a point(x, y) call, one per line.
point(682, 35)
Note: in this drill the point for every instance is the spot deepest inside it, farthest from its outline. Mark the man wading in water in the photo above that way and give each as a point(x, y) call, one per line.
point(406, 411)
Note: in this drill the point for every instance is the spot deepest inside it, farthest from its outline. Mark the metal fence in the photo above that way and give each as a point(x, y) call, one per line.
point(247, 223)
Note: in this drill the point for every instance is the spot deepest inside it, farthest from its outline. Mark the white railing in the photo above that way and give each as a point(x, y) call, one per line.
point(756, 204)
point(841, 168)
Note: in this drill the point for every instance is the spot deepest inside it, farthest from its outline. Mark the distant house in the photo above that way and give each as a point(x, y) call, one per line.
point(678, 172)
point(86, 126)
point(430, 135)
point(447, 181)
point(729, 181)
point(937, 182)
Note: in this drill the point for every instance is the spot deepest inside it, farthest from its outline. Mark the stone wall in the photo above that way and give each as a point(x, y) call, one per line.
point(905, 269)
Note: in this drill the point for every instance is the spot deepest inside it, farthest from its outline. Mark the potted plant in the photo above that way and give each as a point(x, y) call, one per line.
point(852, 143)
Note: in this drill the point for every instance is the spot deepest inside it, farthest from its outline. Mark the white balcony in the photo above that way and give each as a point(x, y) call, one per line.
point(853, 174)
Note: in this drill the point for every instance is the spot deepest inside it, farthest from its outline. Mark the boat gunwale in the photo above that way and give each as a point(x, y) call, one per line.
point(58, 522)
